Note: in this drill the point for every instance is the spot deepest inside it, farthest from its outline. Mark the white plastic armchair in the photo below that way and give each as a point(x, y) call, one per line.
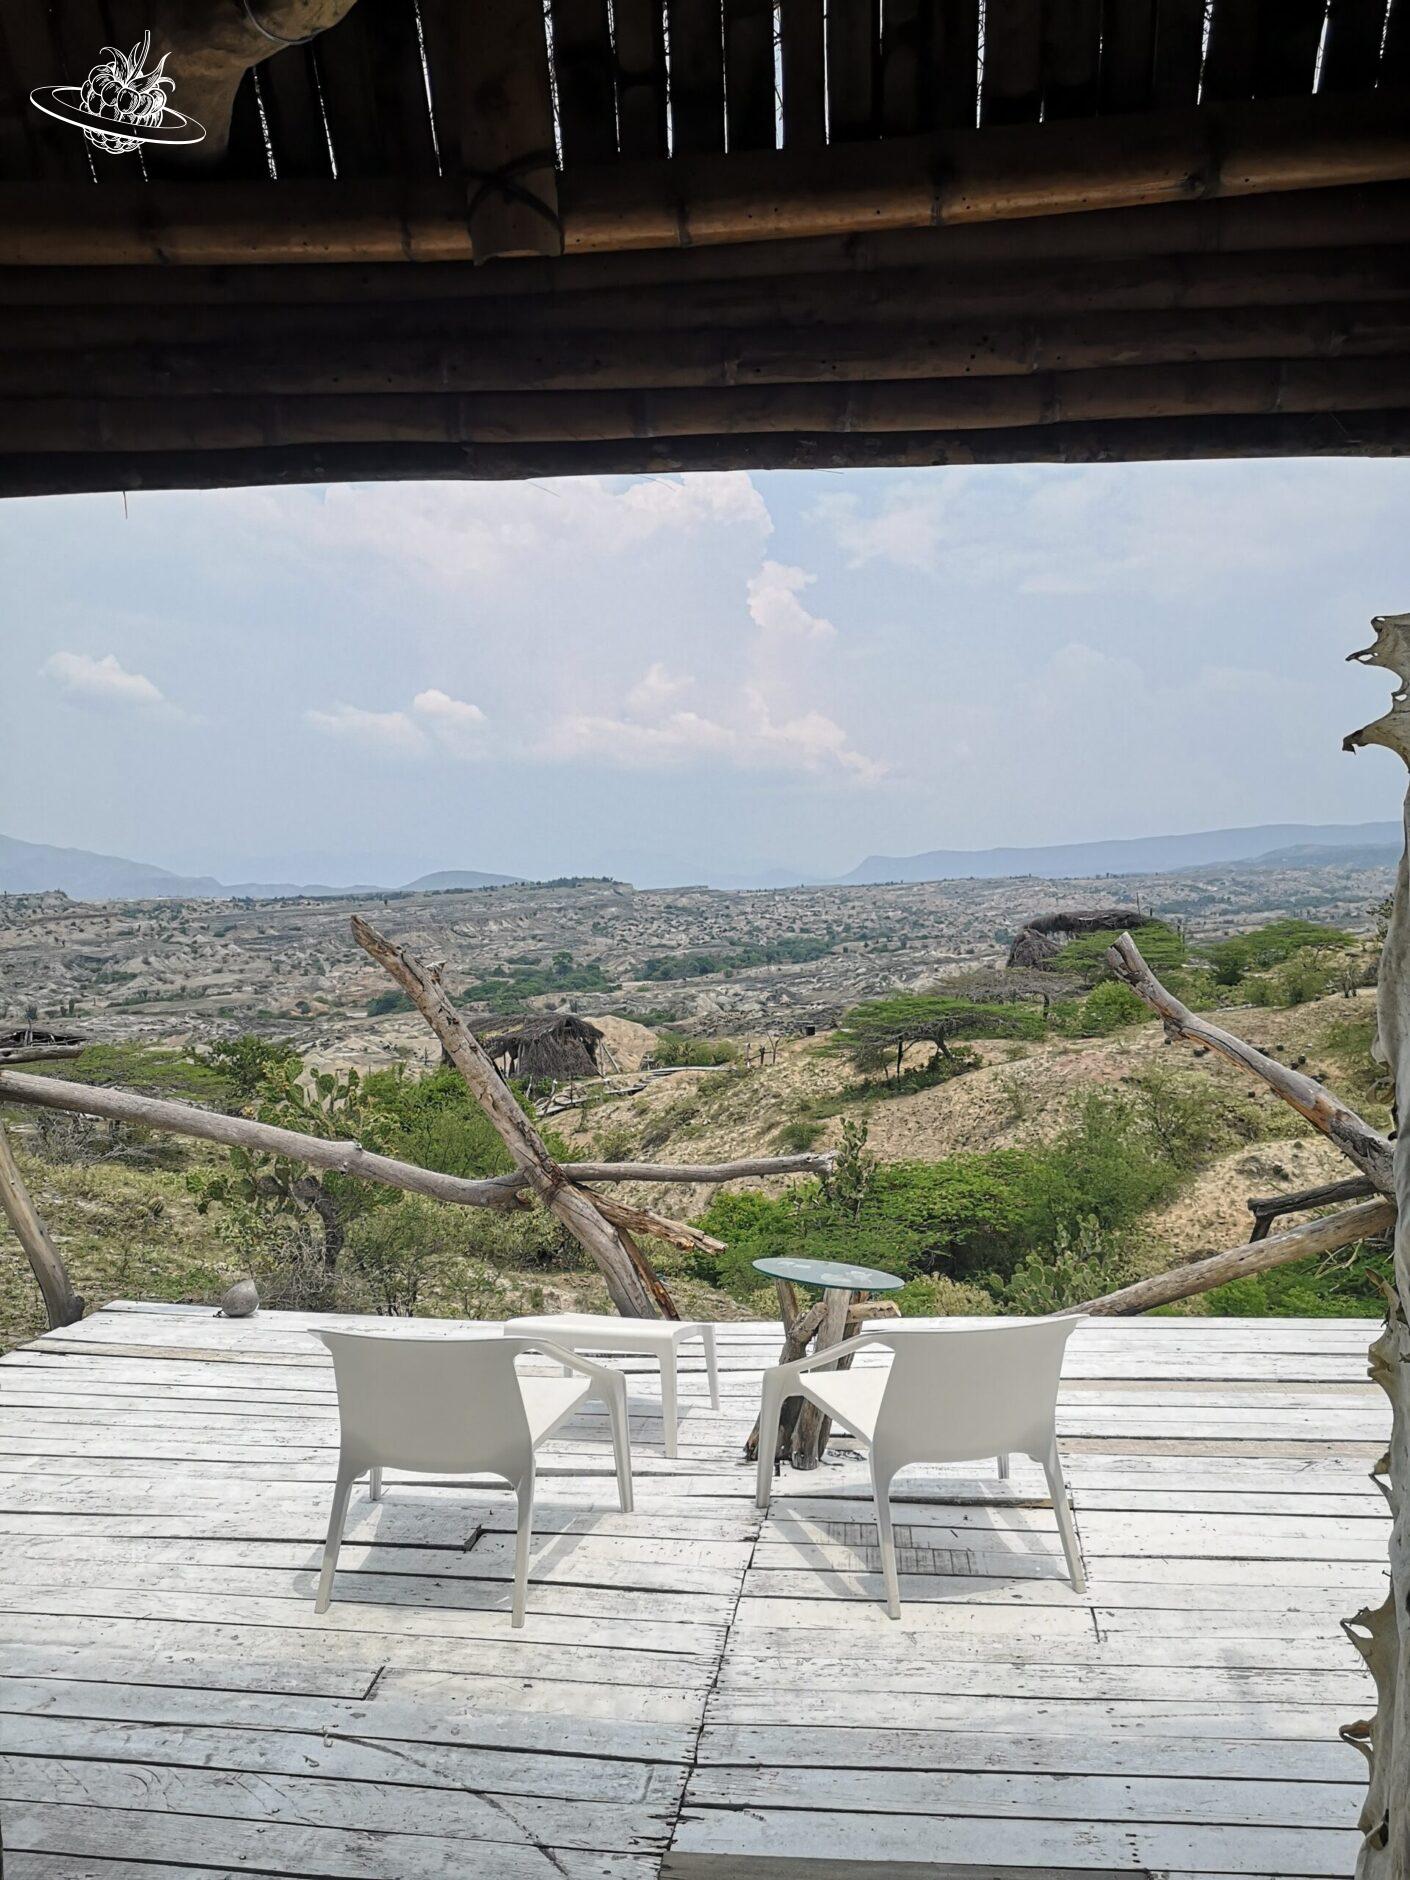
point(457, 1406)
point(950, 1394)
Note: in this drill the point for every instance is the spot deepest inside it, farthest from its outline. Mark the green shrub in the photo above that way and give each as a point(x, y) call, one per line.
point(798, 1136)
point(385, 1002)
point(673, 1048)
point(1262, 947)
point(1079, 1266)
point(1161, 947)
point(1110, 1006)
point(1339, 1286)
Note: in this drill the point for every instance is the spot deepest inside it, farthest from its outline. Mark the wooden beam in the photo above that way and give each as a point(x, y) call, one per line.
point(750, 106)
point(495, 117)
point(954, 177)
point(1379, 433)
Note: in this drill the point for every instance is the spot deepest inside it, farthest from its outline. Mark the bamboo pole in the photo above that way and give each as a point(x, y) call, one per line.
point(198, 423)
point(704, 356)
point(62, 1305)
point(1327, 1235)
point(400, 303)
point(1383, 433)
point(1310, 221)
point(958, 176)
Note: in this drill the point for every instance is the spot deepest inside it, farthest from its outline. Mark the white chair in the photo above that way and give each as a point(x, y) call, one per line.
point(457, 1406)
point(593, 1331)
point(950, 1394)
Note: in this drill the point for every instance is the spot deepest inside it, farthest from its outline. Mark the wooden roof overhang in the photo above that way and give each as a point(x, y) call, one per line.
point(716, 233)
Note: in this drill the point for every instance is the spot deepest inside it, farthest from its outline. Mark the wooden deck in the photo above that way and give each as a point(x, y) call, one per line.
point(697, 1691)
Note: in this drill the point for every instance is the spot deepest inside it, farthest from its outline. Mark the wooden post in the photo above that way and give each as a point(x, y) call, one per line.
point(1382, 1634)
point(61, 1302)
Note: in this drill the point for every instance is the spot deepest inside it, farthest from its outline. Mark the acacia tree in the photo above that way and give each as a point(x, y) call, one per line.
point(869, 1033)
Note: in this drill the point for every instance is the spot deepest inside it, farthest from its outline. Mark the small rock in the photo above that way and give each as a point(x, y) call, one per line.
point(240, 1302)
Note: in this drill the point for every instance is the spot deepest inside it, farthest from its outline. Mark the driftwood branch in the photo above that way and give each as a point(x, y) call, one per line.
point(238, 1132)
point(349, 1158)
point(1327, 1235)
point(61, 1303)
point(580, 1212)
point(1352, 1134)
point(1266, 1209)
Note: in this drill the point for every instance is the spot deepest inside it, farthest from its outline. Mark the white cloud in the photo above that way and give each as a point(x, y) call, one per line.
point(457, 725)
point(775, 608)
point(434, 721)
point(1098, 528)
point(383, 731)
point(446, 534)
point(652, 732)
point(107, 683)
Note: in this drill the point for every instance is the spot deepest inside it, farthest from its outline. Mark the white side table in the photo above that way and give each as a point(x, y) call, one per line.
point(592, 1331)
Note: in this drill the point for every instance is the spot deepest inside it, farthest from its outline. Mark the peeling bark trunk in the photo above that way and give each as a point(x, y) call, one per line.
point(1383, 1636)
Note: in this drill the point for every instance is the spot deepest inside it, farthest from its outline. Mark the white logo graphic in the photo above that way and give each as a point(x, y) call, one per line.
point(119, 106)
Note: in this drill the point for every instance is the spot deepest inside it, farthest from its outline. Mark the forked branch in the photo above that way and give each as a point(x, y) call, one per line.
point(1338, 1122)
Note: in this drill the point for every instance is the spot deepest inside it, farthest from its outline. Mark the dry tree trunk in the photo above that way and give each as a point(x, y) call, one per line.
point(61, 1302)
point(636, 1290)
point(1382, 1635)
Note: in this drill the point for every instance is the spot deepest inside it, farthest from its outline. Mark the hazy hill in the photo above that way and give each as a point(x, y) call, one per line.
point(448, 878)
point(1136, 855)
point(34, 867)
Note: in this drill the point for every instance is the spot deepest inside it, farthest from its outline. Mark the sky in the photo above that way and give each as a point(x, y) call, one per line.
point(685, 679)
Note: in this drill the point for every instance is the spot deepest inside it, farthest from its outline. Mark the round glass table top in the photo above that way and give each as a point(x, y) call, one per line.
point(830, 1273)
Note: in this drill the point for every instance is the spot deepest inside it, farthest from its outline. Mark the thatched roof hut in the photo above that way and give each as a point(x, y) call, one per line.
point(23, 1044)
point(543, 1047)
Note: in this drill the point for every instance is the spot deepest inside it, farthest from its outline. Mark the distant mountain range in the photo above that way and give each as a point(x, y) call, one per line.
point(1266, 844)
point(34, 867)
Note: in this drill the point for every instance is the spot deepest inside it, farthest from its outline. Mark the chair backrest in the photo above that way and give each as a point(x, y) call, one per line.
point(449, 1405)
point(957, 1393)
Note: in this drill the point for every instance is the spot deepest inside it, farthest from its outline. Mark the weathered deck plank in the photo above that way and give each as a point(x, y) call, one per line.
point(698, 1692)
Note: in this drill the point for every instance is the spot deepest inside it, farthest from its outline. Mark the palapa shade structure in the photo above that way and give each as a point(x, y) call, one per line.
point(907, 233)
point(545, 1047)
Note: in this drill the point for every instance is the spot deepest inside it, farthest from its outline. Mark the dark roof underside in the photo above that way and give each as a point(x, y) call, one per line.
point(716, 236)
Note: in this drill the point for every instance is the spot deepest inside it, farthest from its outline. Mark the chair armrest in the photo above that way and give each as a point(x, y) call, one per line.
point(602, 1374)
point(828, 1354)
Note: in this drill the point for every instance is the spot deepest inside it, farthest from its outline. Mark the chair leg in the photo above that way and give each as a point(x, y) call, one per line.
point(1057, 1488)
point(374, 1483)
point(881, 1494)
point(522, 1534)
point(668, 1399)
point(337, 1515)
point(1003, 1468)
point(770, 1410)
point(707, 1337)
point(621, 1443)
